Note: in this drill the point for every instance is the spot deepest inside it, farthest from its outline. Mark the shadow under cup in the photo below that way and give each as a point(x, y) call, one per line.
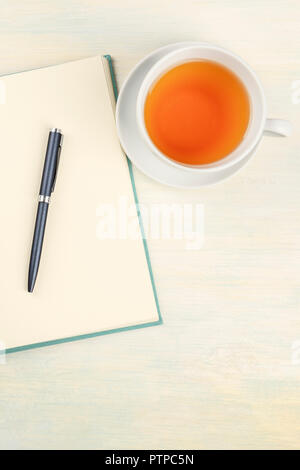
point(201, 108)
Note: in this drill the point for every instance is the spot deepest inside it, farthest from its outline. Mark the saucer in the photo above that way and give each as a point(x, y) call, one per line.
point(135, 147)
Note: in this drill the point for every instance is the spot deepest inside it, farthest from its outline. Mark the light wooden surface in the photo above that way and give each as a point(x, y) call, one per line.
point(221, 372)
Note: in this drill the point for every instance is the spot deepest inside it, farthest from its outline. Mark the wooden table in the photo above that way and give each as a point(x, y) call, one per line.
point(224, 369)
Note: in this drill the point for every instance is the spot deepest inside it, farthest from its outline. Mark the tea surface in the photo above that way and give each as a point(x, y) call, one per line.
point(197, 112)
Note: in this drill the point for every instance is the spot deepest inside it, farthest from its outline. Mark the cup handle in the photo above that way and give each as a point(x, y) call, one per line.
point(278, 127)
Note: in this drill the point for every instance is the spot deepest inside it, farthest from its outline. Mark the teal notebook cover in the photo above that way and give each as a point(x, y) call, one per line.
point(116, 330)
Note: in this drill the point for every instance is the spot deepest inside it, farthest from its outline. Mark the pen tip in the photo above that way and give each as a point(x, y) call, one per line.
point(30, 287)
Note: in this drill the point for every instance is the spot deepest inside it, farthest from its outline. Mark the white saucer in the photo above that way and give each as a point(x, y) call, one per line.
point(134, 145)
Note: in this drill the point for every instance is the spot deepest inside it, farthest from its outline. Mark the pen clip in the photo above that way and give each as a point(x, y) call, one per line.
point(57, 164)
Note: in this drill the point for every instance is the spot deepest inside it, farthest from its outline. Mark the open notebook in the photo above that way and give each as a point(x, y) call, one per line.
point(87, 285)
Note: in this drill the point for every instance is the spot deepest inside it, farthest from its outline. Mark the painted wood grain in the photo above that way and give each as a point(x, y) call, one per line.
point(223, 370)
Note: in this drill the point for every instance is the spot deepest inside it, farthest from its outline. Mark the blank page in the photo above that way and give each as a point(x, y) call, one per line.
point(85, 284)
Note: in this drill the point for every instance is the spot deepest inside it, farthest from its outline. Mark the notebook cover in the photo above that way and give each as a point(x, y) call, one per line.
point(116, 330)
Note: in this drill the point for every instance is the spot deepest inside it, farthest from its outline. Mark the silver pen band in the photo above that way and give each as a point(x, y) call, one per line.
point(44, 198)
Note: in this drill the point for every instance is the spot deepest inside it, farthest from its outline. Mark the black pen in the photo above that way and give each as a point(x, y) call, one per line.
point(47, 187)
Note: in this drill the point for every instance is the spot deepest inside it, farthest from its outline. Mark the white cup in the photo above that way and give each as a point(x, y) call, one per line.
point(258, 122)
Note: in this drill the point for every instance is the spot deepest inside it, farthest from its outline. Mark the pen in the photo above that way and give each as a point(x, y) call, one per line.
point(47, 187)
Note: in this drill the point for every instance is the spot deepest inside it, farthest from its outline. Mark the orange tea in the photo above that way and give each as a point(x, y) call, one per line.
point(197, 112)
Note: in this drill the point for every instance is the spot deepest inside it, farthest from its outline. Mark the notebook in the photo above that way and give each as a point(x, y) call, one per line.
point(93, 278)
